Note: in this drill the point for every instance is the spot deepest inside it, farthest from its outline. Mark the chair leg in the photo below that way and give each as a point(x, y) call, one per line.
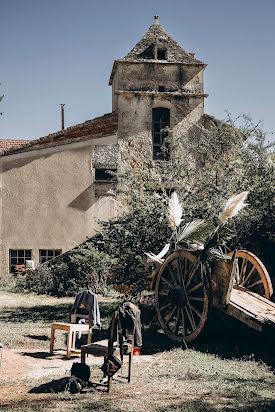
point(69, 343)
point(73, 340)
point(130, 362)
point(83, 355)
point(109, 385)
point(89, 336)
point(52, 339)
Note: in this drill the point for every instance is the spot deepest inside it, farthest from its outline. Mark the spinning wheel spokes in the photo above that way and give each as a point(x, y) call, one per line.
point(182, 297)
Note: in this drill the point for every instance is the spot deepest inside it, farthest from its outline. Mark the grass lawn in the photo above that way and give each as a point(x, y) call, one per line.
point(219, 372)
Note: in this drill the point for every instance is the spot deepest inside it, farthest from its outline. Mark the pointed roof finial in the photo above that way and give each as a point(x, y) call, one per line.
point(156, 19)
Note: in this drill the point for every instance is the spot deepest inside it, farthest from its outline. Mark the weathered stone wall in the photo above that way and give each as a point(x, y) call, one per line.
point(149, 76)
point(135, 122)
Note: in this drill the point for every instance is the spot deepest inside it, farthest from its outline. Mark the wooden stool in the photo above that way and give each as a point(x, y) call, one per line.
point(71, 329)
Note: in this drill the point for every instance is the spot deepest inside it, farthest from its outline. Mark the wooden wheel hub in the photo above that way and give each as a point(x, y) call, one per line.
point(183, 297)
point(178, 296)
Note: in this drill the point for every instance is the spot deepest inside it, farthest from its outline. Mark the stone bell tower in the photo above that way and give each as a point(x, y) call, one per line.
point(158, 84)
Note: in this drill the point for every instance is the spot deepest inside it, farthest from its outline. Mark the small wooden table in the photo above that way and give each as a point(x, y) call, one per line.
point(71, 329)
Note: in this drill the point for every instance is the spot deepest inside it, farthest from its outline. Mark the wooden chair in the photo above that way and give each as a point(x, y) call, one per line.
point(104, 348)
point(72, 329)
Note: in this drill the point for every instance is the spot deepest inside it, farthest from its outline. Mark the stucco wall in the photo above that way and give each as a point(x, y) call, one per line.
point(48, 199)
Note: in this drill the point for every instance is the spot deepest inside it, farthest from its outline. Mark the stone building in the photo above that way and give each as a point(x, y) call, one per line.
point(54, 189)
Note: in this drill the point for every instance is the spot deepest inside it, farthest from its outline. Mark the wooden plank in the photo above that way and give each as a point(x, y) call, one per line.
point(250, 308)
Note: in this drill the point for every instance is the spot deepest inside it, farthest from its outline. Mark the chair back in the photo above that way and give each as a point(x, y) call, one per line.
point(79, 313)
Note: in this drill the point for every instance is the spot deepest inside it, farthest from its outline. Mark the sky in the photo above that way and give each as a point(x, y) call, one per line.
point(62, 51)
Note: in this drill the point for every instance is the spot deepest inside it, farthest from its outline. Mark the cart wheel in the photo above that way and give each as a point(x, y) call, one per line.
point(251, 274)
point(183, 297)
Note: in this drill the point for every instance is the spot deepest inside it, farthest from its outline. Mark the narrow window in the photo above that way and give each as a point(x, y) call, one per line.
point(161, 54)
point(18, 257)
point(161, 120)
point(105, 175)
point(47, 254)
point(161, 88)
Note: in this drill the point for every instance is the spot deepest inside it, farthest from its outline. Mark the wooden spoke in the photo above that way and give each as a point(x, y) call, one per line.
point(254, 284)
point(196, 299)
point(246, 278)
point(194, 268)
point(169, 317)
point(190, 317)
point(199, 285)
point(177, 321)
point(242, 271)
point(165, 306)
point(183, 309)
point(179, 269)
point(167, 282)
point(196, 311)
point(183, 323)
point(252, 274)
point(172, 275)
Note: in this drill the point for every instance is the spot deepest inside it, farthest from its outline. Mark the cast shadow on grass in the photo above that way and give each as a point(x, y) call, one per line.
point(229, 338)
point(49, 313)
point(222, 336)
point(37, 337)
point(201, 405)
point(39, 313)
point(54, 386)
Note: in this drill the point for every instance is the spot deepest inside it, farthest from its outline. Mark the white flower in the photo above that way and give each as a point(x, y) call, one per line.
point(233, 206)
point(174, 211)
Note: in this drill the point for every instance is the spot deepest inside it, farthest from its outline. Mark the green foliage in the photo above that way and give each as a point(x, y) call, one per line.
point(207, 167)
point(83, 268)
point(126, 238)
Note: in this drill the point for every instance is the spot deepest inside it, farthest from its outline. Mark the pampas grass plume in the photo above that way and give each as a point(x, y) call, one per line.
point(174, 211)
point(233, 206)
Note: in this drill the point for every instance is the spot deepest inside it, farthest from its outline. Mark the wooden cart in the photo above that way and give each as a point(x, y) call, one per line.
point(184, 292)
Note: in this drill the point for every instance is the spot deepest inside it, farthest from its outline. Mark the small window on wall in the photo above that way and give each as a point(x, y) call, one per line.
point(18, 257)
point(161, 54)
point(161, 120)
point(105, 175)
point(47, 254)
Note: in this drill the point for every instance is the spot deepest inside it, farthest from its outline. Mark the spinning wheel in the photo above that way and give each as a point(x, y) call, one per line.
point(251, 274)
point(183, 297)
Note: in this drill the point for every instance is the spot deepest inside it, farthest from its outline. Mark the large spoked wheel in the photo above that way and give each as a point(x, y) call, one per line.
point(183, 297)
point(251, 274)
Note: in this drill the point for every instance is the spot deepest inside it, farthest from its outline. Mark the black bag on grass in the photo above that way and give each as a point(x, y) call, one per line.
point(80, 375)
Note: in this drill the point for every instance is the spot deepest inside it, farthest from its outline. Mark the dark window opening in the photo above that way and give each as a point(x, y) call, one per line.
point(18, 257)
point(161, 121)
point(47, 254)
point(161, 88)
point(105, 175)
point(161, 54)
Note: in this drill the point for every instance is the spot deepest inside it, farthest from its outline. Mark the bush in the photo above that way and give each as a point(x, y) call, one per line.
point(83, 268)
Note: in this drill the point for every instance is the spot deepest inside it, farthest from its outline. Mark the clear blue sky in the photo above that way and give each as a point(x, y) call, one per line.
point(62, 51)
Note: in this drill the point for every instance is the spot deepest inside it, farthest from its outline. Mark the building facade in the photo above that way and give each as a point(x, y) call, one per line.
point(56, 188)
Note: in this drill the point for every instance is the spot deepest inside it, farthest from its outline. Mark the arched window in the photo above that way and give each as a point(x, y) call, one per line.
point(161, 120)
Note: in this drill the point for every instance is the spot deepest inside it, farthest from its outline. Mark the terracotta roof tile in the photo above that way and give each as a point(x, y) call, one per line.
point(98, 127)
point(8, 144)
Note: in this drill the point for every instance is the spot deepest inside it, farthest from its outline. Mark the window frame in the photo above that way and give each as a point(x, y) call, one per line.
point(109, 178)
point(46, 256)
point(158, 133)
point(14, 254)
